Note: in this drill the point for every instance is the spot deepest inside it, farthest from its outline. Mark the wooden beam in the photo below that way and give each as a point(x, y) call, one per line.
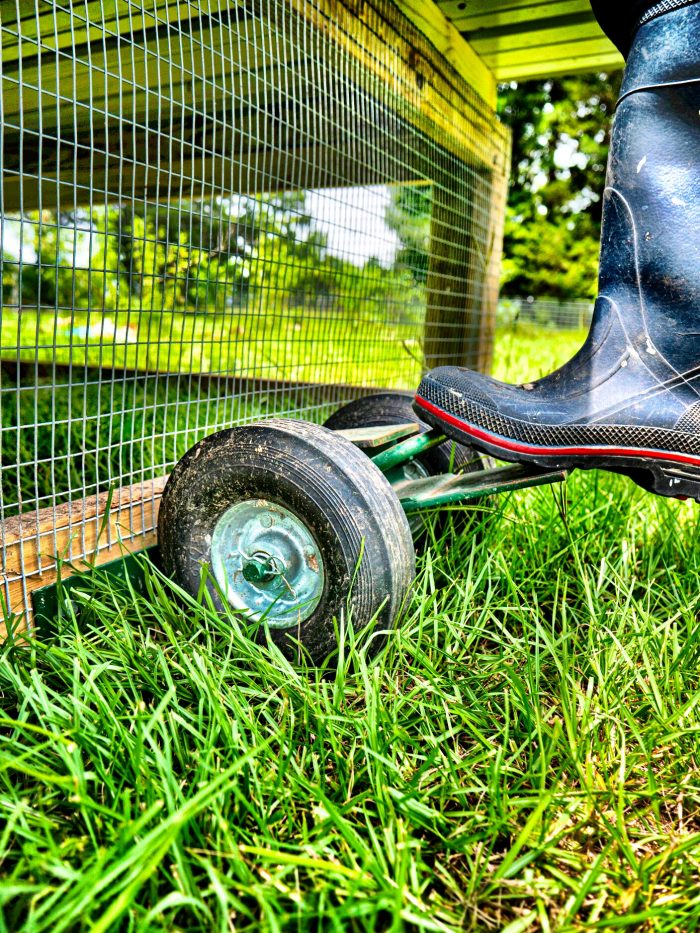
point(567, 30)
point(472, 17)
point(435, 26)
point(72, 83)
point(560, 61)
point(495, 195)
point(527, 39)
point(78, 534)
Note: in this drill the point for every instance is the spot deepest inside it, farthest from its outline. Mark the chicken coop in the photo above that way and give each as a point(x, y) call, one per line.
point(216, 211)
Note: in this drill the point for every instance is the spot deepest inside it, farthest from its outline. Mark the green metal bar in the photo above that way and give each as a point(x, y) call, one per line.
point(47, 601)
point(407, 450)
point(419, 495)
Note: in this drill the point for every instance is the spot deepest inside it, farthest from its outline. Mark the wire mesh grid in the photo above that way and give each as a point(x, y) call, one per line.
point(213, 212)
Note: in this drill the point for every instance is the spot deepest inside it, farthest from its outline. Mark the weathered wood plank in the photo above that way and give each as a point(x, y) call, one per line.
point(32, 542)
point(501, 41)
point(471, 18)
point(495, 195)
point(592, 55)
point(538, 8)
point(538, 38)
point(57, 27)
point(367, 438)
point(452, 46)
point(67, 100)
point(54, 26)
point(466, 240)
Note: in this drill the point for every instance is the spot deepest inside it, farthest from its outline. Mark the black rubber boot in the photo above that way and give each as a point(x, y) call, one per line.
point(629, 401)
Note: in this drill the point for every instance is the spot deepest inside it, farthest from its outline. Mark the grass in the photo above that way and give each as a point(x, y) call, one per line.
point(252, 343)
point(522, 756)
point(88, 430)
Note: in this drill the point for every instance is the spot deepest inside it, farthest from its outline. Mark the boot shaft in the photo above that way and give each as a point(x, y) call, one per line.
point(650, 247)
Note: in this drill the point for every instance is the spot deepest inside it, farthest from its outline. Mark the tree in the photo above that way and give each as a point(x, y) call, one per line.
point(561, 133)
point(408, 215)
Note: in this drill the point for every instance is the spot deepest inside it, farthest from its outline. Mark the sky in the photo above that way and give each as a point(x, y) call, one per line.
point(353, 221)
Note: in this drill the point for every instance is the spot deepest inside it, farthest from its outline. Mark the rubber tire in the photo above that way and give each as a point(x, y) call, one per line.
point(337, 492)
point(386, 408)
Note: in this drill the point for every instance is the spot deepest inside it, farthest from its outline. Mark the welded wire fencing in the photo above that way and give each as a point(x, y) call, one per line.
point(544, 313)
point(213, 212)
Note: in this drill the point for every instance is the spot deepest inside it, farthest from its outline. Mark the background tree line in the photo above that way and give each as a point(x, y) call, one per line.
point(212, 256)
point(561, 133)
point(198, 257)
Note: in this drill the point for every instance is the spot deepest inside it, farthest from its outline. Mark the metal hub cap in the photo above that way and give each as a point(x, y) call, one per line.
point(267, 563)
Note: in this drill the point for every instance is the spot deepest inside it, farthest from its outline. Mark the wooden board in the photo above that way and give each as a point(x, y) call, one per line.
point(516, 14)
point(32, 542)
point(367, 438)
point(521, 39)
point(432, 22)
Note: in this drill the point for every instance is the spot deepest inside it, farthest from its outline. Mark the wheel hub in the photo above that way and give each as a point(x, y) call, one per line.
point(267, 563)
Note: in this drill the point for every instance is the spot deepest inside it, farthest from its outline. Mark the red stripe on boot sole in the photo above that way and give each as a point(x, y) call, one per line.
point(505, 444)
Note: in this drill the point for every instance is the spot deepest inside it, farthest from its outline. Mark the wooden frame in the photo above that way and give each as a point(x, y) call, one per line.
point(34, 541)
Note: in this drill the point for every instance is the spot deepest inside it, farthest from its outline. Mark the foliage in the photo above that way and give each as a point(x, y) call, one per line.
point(408, 215)
point(203, 258)
point(561, 132)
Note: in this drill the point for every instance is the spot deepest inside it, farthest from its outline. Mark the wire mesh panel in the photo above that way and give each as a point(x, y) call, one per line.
point(213, 212)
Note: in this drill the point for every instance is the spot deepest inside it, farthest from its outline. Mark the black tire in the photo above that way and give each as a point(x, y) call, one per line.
point(359, 531)
point(386, 408)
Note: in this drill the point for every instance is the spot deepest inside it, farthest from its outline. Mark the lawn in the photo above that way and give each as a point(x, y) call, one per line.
point(255, 342)
point(522, 756)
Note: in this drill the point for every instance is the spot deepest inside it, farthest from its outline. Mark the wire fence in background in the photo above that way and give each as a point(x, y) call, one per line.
point(543, 312)
point(213, 212)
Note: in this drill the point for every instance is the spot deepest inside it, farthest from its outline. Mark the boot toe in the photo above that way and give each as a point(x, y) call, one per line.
point(482, 400)
point(454, 386)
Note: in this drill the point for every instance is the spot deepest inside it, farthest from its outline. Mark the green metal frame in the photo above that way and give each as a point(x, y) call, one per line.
point(415, 495)
point(453, 489)
point(407, 449)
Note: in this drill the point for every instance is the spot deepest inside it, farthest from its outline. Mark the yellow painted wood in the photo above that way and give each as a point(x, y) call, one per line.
point(93, 19)
point(589, 55)
point(112, 91)
point(452, 46)
point(497, 43)
point(540, 8)
point(520, 39)
point(474, 17)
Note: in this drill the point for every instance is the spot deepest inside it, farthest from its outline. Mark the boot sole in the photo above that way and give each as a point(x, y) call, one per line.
point(665, 473)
